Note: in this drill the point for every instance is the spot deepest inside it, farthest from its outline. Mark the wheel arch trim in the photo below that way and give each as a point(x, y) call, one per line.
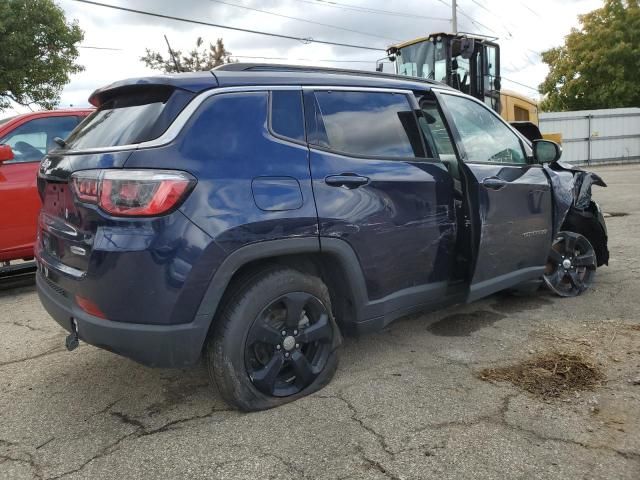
point(340, 249)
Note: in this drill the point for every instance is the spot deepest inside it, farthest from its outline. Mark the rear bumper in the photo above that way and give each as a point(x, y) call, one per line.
point(164, 346)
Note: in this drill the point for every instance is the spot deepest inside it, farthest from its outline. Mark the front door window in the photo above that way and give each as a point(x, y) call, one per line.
point(484, 136)
point(32, 140)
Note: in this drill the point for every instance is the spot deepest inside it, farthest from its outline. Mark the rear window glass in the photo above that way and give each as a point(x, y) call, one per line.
point(370, 124)
point(135, 116)
point(286, 114)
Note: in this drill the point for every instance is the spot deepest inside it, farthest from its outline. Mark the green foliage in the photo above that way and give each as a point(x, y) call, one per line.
point(38, 53)
point(196, 60)
point(599, 64)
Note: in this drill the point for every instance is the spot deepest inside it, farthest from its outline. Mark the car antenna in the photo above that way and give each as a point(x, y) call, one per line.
point(175, 61)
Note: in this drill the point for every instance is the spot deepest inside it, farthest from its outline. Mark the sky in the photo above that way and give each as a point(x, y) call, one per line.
point(524, 29)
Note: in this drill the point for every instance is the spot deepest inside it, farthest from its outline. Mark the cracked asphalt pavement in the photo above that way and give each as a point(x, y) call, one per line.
point(406, 403)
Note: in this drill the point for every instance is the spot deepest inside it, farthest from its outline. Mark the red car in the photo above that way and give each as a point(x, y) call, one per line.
point(24, 140)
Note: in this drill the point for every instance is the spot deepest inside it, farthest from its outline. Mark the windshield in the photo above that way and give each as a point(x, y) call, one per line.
point(424, 59)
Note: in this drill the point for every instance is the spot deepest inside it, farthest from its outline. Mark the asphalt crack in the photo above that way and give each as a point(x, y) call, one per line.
point(380, 439)
point(299, 473)
point(29, 460)
point(376, 465)
point(45, 443)
point(33, 357)
point(354, 416)
point(29, 327)
point(140, 430)
point(113, 447)
point(537, 435)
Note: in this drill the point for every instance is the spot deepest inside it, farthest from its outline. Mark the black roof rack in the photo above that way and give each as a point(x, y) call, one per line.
point(275, 67)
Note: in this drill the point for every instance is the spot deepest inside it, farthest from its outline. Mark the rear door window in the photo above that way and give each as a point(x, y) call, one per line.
point(129, 117)
point(368, 124)
point(287, 118)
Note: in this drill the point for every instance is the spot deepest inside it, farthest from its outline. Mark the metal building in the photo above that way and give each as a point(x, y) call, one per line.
point(596, 136)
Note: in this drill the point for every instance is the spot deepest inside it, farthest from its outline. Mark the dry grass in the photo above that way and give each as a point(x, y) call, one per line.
point(548, 375)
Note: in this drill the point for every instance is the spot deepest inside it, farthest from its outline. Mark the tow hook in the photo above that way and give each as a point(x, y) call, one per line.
point(72, 341)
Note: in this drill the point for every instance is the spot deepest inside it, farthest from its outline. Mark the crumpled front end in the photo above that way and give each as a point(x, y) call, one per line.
point(574, 208)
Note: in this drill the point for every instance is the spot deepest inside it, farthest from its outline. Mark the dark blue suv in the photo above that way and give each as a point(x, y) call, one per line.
point(256, 213)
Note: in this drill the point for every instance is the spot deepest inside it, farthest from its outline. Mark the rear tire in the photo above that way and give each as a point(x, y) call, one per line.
point(274, 341)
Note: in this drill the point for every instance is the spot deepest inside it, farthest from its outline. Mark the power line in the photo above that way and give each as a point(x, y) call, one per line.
point(482, 6)
point(518, 83)
point(304, 20)
point(258, 57)
point(91, 47)
point(505, 28)
point(237, 29)
point(522, 4)
point(504, 25)
point(257, 32)
point(342, 6)
point(471, 19)
point(329, 60)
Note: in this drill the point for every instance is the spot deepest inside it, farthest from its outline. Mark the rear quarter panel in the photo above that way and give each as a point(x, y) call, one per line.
point(227, 146)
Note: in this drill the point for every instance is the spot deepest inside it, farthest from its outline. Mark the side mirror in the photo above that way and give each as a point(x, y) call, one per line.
point(467, 47)
point(6, 153)
point(546, 151)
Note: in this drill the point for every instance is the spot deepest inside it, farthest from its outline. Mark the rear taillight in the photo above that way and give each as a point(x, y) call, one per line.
point(131, 193)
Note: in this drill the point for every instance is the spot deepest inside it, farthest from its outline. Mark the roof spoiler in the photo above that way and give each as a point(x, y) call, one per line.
point(192, 82)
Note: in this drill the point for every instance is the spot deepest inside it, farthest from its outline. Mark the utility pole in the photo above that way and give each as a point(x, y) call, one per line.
point(454, 16)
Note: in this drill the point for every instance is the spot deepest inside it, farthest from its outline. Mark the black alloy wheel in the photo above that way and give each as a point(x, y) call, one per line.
point(288, 344)
point(571, 265)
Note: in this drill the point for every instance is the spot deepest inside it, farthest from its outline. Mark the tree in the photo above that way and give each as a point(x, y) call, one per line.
point(599, 64)
point(39, 52)
point(198, 59)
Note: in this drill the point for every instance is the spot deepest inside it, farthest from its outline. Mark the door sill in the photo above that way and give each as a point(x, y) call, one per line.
point(487, 287)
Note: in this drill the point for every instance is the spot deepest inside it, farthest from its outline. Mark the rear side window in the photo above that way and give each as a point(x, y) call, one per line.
point(130, 116)
point(287, 118)
point(370, 124)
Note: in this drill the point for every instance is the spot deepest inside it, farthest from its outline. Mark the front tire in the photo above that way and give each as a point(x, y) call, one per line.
point(275, 340)
point(571, 265)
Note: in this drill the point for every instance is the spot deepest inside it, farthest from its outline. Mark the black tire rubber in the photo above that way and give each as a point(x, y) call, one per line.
point(577, 280)
point(225, 351)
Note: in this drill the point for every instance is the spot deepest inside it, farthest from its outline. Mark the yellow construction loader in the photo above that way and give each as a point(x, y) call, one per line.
point(471, 64)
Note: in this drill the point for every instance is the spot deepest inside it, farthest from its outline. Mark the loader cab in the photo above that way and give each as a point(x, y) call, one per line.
point(470, 64)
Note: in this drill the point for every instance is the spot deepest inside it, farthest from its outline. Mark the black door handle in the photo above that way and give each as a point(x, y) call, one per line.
point(348, 180)
point(494, 183)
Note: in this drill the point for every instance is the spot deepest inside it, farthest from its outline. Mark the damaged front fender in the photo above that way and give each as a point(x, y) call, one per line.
point(574, 210)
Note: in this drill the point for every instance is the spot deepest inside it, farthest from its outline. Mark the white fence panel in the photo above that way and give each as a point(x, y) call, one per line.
point(596, 136)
